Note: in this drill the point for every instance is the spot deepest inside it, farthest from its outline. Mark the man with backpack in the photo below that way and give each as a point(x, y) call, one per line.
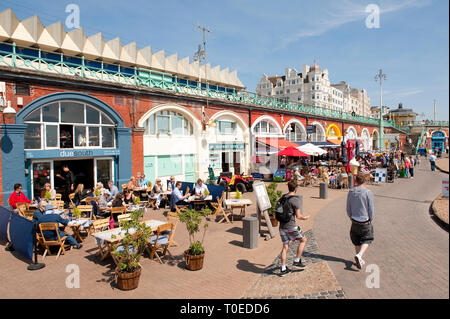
point(287, 209)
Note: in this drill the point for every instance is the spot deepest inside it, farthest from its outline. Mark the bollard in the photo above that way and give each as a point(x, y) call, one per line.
point(350, 181)
point(323, 190)
point(250, 232)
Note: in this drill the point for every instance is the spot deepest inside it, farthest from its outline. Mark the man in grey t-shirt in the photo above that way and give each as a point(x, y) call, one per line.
point(291, 232)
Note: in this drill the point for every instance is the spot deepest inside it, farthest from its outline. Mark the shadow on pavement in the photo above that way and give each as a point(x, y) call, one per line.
point(247, 266)
point(235, 230)
point(348, 263)
point(438, 221)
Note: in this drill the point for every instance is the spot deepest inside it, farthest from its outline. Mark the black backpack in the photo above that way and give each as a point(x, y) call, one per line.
point(283, 209)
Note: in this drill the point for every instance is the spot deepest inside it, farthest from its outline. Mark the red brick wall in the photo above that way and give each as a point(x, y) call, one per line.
point(137, 152)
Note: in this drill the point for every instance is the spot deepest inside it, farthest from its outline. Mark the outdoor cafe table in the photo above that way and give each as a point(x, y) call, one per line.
point(237, 204)
point(78, 225)
point(105, 241)
point(199, 201)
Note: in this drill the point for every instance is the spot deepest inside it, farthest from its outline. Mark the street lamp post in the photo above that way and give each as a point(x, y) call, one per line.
point(380, 77)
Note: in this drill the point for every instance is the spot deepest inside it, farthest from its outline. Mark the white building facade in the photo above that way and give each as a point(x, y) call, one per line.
point(312, 87)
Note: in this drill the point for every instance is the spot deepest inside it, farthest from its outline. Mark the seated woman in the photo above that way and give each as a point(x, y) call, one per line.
point(80, 194)
point(156, 191)
point(128, 197)
point(131, 184)
point(118, 201)
point(52, 192)
point(17, 196)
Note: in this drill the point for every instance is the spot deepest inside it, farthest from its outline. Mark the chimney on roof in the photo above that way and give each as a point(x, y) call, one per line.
point(400, 105)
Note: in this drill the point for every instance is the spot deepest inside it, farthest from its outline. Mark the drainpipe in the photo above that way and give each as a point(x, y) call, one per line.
point(250, 136)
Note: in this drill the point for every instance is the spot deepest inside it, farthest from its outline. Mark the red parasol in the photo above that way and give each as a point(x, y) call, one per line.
point(292, 151)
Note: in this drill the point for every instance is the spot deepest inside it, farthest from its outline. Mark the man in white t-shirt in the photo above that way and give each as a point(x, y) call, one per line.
point(200, 188)
point(432, 159)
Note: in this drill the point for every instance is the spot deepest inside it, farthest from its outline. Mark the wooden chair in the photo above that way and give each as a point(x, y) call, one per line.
point(173, 218)
point(59, 204)
point(21, 208)
point(59, 196)
point(28, 213)
point(117, 211)
point(101, 224)
point(60, 241)
point(160, 241)
point(123, 217)
point(219, 209)
point(87, 209)
point(71, 197)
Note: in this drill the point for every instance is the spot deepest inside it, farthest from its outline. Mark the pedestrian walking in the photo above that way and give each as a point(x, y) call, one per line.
point(432, 159)
point(361, 210)
point(290, 205)
point(411, 166)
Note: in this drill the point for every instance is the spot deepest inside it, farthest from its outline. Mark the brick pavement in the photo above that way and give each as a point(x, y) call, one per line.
point(410, 249)
point(442, 164)
point(229, 269)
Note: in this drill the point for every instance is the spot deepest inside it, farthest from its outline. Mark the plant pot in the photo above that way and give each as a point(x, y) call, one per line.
point(193, 262)
point(128, 281)
point(273, 220)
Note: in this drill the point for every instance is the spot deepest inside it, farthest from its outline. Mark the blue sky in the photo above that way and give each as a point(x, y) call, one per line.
point(256, 37)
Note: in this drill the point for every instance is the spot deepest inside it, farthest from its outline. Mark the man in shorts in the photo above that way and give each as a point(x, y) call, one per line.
point(361, 210)
point(291, 232)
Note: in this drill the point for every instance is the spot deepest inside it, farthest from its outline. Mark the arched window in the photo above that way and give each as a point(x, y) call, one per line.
point(266, 127)
point(68, 124)
point(294, 132)
point(167, 122)
point(318, 135)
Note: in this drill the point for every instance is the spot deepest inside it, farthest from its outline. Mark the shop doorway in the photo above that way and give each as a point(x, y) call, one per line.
point(225, 162)
point(83, 171)
point(237, 162)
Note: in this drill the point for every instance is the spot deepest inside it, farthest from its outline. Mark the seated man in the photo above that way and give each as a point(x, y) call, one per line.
point(17, 196)
point(40, 211)
point(177, 197)
point(200, 188)
point(51, 235)
point(113, 190)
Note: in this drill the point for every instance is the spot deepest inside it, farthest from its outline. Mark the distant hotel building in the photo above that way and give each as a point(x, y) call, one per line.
point(312, 87)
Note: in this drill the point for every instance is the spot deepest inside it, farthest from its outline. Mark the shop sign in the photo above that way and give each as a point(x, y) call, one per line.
point(226, 146)
point(310, 129)
point(215, 160)
point(71, 153)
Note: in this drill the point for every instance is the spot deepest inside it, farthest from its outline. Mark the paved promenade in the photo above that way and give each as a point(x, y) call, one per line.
point(410, 248)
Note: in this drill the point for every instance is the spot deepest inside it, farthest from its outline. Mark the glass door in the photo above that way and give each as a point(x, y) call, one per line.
point(104, 171)
point(41, 173)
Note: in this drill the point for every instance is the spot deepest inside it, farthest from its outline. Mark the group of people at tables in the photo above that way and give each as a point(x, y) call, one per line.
point(334, 177)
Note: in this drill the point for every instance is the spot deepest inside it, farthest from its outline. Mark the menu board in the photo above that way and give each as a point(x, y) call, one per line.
point(260, 191)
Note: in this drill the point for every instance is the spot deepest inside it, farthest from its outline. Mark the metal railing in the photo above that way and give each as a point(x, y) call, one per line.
point(52, 62)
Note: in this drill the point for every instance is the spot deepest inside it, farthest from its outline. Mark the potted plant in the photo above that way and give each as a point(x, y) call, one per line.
point(238, 194)
point(97, 192)
point(48, 196)
point(76, 213)
point(137, 200)
point(128, 270)
point(274, 196)
point(195, 255)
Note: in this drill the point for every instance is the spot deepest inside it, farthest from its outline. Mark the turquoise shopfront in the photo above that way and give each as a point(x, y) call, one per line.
point(65, 128)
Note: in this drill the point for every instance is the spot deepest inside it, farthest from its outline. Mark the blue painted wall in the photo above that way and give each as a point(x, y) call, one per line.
point(13, 159)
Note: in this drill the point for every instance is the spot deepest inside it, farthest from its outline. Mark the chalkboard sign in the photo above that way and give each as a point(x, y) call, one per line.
point(310, 129)
point(261, 195)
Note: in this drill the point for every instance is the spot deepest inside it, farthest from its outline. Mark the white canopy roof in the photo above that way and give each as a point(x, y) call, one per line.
point(312, 149)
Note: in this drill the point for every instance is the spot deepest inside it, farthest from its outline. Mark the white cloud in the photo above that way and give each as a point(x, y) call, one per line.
point(344, 12)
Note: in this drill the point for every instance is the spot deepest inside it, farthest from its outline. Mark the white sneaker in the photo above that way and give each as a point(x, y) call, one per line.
point(359, 261)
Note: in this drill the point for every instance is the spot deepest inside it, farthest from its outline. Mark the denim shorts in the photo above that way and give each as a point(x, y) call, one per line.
point(361, 234)
point(291, 235)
